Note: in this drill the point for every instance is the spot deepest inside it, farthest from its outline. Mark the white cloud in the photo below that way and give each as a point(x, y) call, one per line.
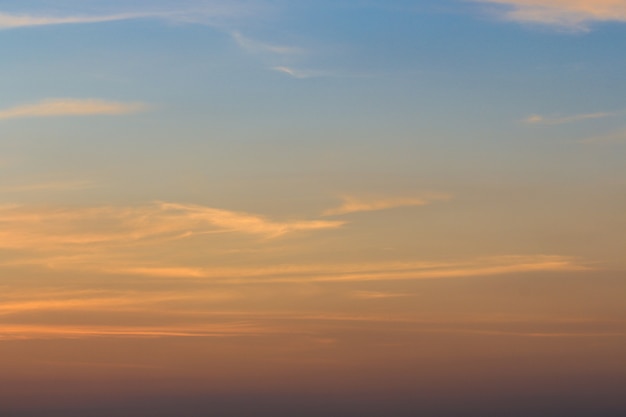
point(14, 21)
point(568, 14)
point(71, 107)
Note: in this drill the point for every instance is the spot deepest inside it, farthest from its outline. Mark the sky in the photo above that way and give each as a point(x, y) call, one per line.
point(252, 208)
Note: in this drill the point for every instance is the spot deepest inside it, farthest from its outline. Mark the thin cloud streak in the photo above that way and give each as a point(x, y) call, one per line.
point(301, 74)
point(48, 186)
point(15, 21)
point(367, 272)
point(255, 46)
point(355, 205)
point(611, 138)
point(71, 107)
point(537, 119)
point(30, 332)
point(209, 14)
point(575, 15)
point(50, 228)
point(378, 295)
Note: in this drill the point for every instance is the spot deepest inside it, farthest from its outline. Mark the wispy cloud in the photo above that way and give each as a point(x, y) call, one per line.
point(378, 295)
point(354, 204)
point(301, 73)
point(28, 331)
point(255, 46)
point(14, 21)
point(574, 15)
point(247, 223)
point(24, 227)
point(213, 14)
point(277, 54)
point(614, 137)
point(385, 271)
point(42, 300)
point(537, 119)
point(206, 12)
point(47, 186)
point(71, 107)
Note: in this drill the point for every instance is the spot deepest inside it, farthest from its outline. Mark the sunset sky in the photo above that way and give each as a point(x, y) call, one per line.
point(271, 208)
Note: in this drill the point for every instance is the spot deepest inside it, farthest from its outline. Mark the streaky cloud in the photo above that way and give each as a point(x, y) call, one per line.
point(537, 119)
point(59, 107)
point(15, 21)
point(378, 295)
point(355, 205)
point(571, 15)
point(299, 73)
point(255, 46)
point(385, 271)
point(611, 138)
point(57, 227)
point(33, 331)
point(209, 13)
point(48, 186)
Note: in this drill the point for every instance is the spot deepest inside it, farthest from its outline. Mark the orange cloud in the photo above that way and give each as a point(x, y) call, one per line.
point(571, 14)
point(384, 271)
point(355, 205)
point(33, 228)
point(34, 331)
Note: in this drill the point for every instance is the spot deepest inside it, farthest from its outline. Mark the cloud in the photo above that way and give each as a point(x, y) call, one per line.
point(574, 15)
point(46, 301)
point(71, 107)
point(14, 21)
point(378, 295)
point(615, 137)
point(301, 74)
point(210, 13)
point(256, 46)
point(355, 205)
point(294, 274)
point(47, 228)
point(34, 331)
point(247, 223)
point(537, 119)
point(48, 186)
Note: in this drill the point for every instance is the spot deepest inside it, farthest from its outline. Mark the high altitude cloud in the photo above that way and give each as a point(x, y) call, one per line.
point(71, 107)
point(197, 11)
point(355, 205)
point(382, 271)
point(571, 14)
point(14, 21)
point(537, 119)
point(256, 46)
point(618, 136)
point(31, 228)
point(47, 186)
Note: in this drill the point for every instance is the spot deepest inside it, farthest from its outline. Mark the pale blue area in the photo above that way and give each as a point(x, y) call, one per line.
point(404, 88)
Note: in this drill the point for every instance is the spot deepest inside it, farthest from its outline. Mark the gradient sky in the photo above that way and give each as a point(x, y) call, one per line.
point(344, 208)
